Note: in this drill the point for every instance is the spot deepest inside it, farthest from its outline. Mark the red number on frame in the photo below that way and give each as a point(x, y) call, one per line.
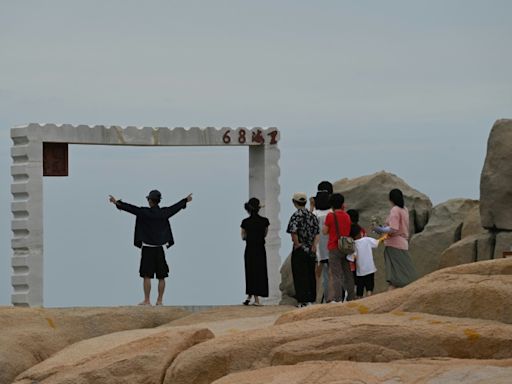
point(257, 137)
point(241, 136)
point(226, 139)
point(273, 137)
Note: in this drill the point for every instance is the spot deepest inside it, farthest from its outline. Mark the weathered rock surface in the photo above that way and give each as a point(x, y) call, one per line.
point(286, 286)
point(31, 335)
point(496, 178)
point(480, 290)
point(503, 243)
point(419, 371)
point(138, 356)
point(472, 225)
point(442, 230)
point(375, 338)
point(232, 319)
point(470, 249)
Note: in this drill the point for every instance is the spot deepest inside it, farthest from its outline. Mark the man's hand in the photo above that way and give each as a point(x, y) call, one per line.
point(189, 198)
point(112, 199)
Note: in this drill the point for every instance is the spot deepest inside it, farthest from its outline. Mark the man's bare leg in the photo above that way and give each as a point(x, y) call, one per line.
point(147, 290)
point(161, 289)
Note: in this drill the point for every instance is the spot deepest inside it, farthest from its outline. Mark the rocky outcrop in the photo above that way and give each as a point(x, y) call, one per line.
point(138, 356)
point(463, 312)
point(496, 179)
point(31, 335)
point(419, 371)
point(480, 290)
point(444, 228)
point(376, 338)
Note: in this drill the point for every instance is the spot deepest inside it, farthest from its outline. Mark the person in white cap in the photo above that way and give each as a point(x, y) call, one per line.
point(304, 230)
point(152, 232)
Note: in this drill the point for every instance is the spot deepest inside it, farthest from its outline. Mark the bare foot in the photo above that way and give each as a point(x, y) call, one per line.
point(159, 303)
point(144, 303)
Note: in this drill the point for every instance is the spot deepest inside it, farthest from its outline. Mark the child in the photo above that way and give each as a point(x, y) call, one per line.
point(365, 267)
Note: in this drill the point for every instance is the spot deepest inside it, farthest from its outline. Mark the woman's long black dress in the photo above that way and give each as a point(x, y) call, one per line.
point(255, 256)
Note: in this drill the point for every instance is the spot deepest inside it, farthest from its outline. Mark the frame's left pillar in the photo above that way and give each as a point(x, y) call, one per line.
point(27, 212)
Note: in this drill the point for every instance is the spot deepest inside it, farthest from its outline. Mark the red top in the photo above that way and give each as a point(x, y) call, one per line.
point(343, 224)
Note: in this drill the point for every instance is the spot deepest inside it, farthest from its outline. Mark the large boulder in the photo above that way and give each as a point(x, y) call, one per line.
point(31, 335)
point(419, 371)
point(370, 196)
point(496, 178)
point(137, 356)
point(442, 230)
point(376, 338)
point(480, 290)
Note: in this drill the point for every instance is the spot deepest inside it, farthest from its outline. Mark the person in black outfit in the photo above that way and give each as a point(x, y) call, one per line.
point(254, 231)
point(152, 231)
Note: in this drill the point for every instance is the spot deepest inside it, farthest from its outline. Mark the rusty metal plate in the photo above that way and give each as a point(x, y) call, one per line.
point(55, 159)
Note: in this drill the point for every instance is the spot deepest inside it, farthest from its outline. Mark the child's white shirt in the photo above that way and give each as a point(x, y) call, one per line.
point(364, 262)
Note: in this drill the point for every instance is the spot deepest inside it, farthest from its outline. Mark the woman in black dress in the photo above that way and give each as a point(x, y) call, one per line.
point(254, 230)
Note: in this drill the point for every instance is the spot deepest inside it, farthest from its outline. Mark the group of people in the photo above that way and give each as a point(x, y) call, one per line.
point(316, 256)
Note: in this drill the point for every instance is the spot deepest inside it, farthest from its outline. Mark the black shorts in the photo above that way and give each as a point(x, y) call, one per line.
point(152, 262)
point(363, 282)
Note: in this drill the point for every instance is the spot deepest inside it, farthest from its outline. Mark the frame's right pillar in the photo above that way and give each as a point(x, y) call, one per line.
point(264, 175)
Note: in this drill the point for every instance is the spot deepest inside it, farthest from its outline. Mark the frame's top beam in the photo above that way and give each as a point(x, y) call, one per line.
point(144, 136)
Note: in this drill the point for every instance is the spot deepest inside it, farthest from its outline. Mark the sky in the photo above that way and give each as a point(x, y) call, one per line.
point(355, 87)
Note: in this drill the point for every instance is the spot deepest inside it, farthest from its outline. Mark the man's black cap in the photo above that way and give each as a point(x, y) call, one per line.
point(154, 195)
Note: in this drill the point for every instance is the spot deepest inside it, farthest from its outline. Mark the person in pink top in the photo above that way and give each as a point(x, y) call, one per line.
point(399, 267)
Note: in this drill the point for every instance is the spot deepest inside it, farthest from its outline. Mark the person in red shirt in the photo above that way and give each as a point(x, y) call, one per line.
point(339, 267)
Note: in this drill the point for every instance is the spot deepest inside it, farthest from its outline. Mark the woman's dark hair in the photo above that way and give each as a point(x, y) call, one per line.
point(252, 206)
point(337, 201)
point(355, 230)
point(396, 197)
point(322, 200)
point(354, 215)
point(325, 186)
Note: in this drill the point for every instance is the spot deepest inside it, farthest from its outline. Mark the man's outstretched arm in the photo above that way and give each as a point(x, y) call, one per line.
point(174, 209)
point(124, 206)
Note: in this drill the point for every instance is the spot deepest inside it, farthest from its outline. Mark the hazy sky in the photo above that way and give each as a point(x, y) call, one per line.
point(412, 87)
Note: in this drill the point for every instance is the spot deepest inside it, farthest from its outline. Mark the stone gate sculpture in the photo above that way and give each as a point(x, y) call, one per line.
point(41, 150)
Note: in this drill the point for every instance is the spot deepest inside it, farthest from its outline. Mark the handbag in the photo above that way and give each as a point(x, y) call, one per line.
point(345, 243)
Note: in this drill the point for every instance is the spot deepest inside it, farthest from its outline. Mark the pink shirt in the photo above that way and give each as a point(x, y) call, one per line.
point(398, 220)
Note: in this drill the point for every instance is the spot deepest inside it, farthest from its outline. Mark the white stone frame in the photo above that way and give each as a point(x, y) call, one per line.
point(27, 187)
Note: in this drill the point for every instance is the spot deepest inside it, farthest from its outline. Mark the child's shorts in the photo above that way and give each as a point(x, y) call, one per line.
point(365, 282)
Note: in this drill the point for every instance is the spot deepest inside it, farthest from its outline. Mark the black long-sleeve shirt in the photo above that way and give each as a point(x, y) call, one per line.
point(152, 224)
